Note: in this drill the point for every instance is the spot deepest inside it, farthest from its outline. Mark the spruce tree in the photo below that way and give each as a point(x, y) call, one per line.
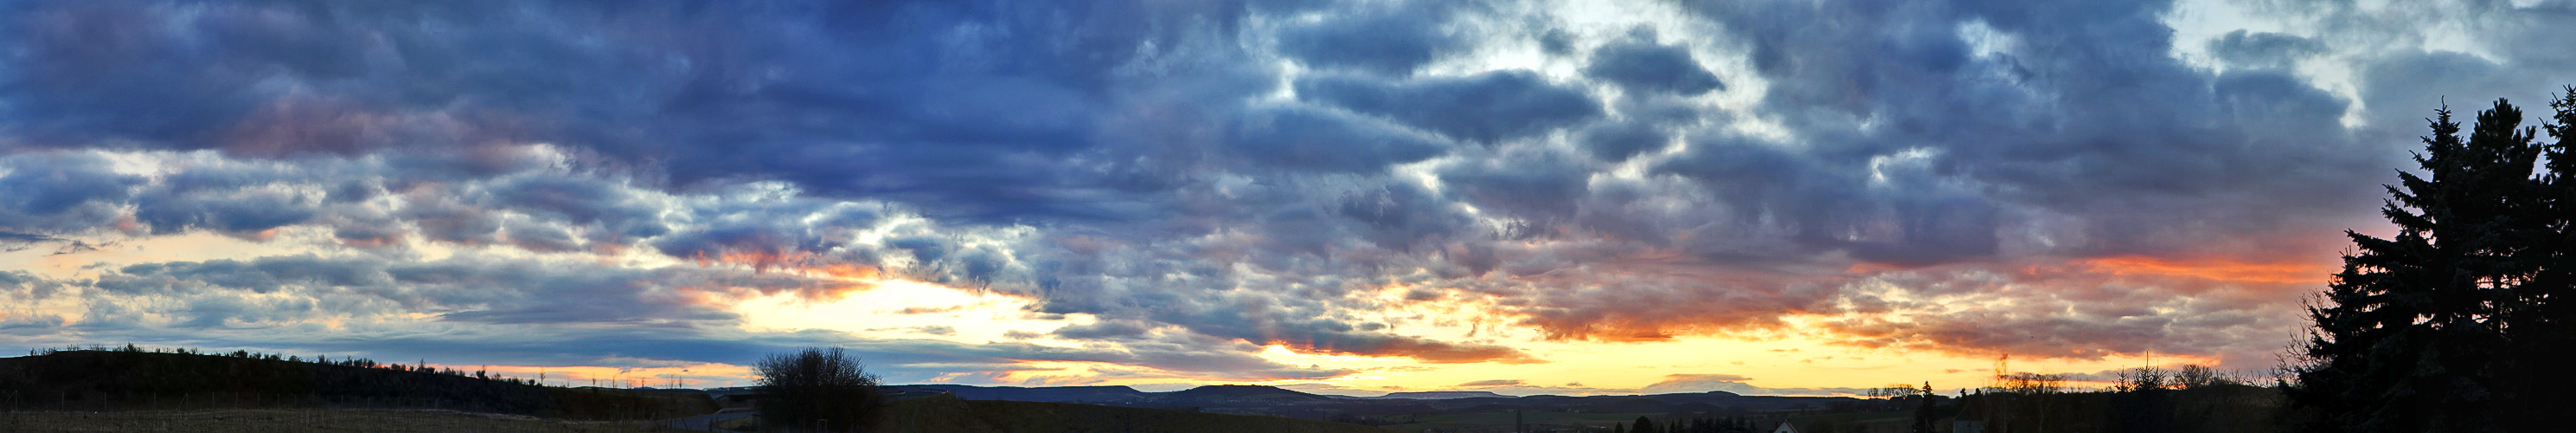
point(2409, 336)
point(2540, 323)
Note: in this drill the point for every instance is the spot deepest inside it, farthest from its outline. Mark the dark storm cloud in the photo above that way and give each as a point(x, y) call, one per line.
point(1641, 65)
point(1399, 216)
point(983, 103)
point(1618, 141)
point(61, 192)
point(959, 111)
point(1930, 133)
point(619, 212)
point(240, 211)
point(1532, 183)
point(1388, 38)
point(1485, 107)
point(2263, 49)
point(461, 290)
point(1319, 140)
point(2006, 126)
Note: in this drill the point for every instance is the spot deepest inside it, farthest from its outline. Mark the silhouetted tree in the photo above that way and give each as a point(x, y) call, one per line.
point(817, 387)
point(2414, 334)
point(2540, 320)
point(1643, 425)
point(1923, 413)
point(2199, 376)
point(2142, 401)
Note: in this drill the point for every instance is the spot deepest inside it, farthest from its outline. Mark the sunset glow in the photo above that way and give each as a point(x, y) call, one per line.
point(1344, 197)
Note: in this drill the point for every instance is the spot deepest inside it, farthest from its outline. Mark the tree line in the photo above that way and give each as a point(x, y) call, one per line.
point(132, 378)
point(348, 361)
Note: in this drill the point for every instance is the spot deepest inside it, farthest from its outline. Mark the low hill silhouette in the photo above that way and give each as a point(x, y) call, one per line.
point(1436, 395)
point(1059, 394)
point(1204, 396)
point(950, 414)
point(1247, 394)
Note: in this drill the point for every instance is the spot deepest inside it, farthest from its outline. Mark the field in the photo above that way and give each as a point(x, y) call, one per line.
point(297, 420)
point(1856, 422)
point(942, 414)
point(1503, 420)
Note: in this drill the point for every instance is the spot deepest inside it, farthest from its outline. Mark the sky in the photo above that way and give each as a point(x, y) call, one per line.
point(1574, 197)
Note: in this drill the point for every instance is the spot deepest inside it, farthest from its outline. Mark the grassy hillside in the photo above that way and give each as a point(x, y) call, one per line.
point(104, 380)
point(948, 414)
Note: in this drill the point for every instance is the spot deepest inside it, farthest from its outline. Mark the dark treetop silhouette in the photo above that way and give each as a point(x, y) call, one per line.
point(2453, 324)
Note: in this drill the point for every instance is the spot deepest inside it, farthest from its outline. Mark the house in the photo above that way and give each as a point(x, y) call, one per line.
point(1784, 428)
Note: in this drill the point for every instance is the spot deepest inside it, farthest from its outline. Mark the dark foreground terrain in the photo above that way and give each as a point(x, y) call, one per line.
point(298, 420)
point(180, 391)
point(144, 381)
point(146, 391)
point(949, 414)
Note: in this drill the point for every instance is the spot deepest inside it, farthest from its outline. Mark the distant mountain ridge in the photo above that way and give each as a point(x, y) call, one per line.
point(1053, 394)
point(1438, 395)
point(1271, 397)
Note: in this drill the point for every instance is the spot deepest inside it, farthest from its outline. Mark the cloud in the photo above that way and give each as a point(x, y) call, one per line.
point(458, 289)
point(23, 288)
point(1641, 65)
point(55, 192)
point(1688, 383)
point(1692, 383)
point(1390, 38)
point(1325, 141)
point(2263, 49)
point(1620, 141)
point(1485, 107)
point(1209, 178)
point(541, 314)
point(702, 95)
point(2082, 310)
point(14, 241)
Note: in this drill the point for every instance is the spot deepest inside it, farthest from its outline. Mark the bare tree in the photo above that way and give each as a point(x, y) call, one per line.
point(817, 389)
point(2195, 376)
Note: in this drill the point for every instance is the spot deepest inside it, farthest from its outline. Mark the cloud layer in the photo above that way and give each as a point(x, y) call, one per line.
point(1211, 178)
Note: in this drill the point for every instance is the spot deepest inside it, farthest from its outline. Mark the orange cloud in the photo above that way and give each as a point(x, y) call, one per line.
point(2220, 269)
point(759, 260)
